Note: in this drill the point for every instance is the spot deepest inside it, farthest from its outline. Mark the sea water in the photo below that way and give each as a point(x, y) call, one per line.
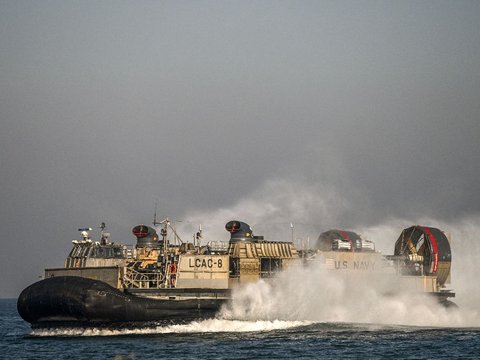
point(236, 339)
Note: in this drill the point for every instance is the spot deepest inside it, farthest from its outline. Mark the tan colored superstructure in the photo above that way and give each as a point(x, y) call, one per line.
point(157, 264)
point(252, 260)
point(202, 271)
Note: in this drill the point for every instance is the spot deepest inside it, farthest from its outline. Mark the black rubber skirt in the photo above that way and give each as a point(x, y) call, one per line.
point(77, 301)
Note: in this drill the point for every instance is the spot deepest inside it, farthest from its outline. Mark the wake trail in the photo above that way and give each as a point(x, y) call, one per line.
point(204, 326)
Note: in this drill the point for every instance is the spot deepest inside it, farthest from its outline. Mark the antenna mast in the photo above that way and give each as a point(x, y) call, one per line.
point(155, 223)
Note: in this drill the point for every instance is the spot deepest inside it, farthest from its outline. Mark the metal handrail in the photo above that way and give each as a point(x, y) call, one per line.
point(136, 279)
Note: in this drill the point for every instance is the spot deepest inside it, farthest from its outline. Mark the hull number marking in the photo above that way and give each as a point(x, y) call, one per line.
point(205, 263)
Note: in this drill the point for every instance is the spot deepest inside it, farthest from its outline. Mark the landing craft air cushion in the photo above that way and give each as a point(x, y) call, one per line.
point(163, 279)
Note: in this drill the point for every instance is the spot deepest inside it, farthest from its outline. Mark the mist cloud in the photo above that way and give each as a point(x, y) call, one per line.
point(343, 114)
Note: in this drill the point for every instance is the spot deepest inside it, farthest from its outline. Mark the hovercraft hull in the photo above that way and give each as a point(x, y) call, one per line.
point(70, 301)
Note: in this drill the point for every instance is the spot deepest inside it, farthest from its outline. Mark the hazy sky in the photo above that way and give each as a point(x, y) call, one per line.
point(332, 113)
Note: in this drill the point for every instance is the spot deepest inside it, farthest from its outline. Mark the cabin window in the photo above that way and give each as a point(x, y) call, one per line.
point(77, 251)
point(84, 252)
point(269, 266)
point(118, 253)
point(101, 252)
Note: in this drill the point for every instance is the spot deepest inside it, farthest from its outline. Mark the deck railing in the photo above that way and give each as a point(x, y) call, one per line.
point(144, 280)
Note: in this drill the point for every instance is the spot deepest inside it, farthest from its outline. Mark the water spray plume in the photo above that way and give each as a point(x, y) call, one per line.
point(311, 294)
point(329, 296)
